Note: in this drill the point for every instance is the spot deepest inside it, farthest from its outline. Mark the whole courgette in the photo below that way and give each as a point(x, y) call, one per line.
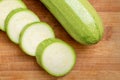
point(79, 19)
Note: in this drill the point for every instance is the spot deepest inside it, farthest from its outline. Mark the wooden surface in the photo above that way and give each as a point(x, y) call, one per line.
point(97, 62)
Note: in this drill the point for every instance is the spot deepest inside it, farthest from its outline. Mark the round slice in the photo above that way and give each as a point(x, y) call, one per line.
point(6, 6)
point(55, 56)
point(17, 20)
point(33, 34)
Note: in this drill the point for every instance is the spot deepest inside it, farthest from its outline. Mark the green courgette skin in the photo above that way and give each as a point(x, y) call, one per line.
point(79, 19)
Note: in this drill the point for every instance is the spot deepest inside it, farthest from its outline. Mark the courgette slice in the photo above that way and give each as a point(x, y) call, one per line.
point(6, 6)
point(56, 57)
point(17, 20)
point(33, 34)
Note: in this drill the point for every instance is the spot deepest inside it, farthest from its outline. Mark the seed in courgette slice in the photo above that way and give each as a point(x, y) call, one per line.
point(33, 34)
point(56, 57)
point(17, 20)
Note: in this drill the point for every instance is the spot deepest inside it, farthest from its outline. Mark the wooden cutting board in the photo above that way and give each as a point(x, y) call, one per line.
point(97, 62)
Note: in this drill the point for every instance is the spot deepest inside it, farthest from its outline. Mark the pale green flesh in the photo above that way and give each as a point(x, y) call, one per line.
point(56, 57)
point(17, 20)
point(79, 20)
point(33, 34)
point(6, 6)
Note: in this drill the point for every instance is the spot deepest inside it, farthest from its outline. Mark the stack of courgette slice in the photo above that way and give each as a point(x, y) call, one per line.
point(36, 38)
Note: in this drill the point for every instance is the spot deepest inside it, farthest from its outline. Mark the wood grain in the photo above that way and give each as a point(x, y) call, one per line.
point(97, 62)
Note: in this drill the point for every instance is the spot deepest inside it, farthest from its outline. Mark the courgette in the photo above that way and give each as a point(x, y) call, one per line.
point(79, 19)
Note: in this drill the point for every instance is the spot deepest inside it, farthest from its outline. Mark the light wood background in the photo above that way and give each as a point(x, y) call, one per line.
point(97, 62)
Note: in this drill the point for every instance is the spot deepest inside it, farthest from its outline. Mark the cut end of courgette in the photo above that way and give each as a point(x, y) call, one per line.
point(56, 57)
point(33, 34)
